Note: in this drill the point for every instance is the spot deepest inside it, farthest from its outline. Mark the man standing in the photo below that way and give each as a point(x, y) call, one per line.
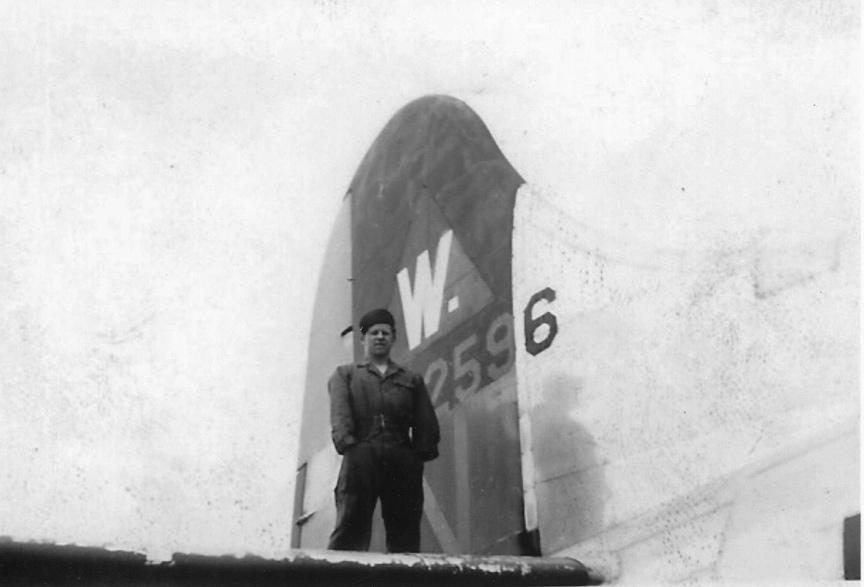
point(384, 425)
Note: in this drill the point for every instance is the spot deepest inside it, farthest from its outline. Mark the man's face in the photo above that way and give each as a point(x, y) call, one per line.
point(378, 341)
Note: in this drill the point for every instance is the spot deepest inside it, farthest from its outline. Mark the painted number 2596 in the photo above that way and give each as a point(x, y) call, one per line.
point(481, 359)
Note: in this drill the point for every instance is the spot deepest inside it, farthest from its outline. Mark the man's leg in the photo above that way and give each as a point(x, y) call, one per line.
point(402, 498)
point(356, 494)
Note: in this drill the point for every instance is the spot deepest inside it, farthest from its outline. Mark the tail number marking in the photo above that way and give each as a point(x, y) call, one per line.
point(479, 360)
point(544, 325)
point(475, 362)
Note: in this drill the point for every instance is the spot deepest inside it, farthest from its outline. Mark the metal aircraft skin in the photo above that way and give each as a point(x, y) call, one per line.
point(657, 413)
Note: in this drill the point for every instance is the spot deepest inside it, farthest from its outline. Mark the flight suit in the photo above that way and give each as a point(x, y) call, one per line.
point(386, 428)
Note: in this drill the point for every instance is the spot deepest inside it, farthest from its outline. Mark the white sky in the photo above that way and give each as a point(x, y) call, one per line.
point(169, 173)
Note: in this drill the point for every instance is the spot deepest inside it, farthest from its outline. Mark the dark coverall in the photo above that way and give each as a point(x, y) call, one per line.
point(385, 427)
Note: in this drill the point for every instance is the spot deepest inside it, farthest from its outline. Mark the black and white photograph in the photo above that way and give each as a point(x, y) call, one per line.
point(476, 292)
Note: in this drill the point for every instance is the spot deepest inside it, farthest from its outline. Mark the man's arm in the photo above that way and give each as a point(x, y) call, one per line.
point(426, 433)
point(341, 418)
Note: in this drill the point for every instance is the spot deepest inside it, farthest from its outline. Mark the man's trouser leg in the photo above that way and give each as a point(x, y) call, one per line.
point(356, 495)
point(401, 497)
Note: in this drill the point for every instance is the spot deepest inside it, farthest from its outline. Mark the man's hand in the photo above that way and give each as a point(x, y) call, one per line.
point(428, 455)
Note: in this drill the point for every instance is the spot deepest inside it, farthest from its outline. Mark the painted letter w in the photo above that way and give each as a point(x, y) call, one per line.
point(421, 305)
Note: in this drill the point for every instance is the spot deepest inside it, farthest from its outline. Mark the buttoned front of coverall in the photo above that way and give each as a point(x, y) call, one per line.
point(385, 427)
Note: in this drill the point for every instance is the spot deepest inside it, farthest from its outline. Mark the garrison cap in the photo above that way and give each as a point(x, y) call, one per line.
point(379, 316)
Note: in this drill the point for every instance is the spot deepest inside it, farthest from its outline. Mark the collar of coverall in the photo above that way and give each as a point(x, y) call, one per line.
point(391, 364)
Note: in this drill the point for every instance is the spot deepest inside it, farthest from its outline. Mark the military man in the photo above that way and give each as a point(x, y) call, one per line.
point(384, 425)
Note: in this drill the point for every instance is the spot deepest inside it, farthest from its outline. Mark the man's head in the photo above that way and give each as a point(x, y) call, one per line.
point(378, 329)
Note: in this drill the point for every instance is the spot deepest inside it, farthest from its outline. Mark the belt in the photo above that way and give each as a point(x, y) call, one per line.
point(381, 423)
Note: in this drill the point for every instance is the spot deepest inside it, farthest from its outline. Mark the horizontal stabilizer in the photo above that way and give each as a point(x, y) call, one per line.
point(40, 564)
